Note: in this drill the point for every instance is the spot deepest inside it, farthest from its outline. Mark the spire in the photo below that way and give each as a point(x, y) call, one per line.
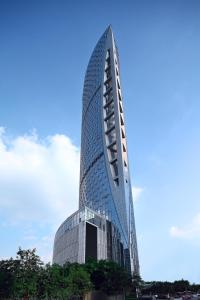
point(109, 27)
point(109, 30)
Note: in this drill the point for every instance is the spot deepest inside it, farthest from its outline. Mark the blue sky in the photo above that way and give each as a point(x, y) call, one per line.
point(44, 50)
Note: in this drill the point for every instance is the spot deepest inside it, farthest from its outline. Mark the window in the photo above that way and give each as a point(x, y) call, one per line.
point(108, 83)
point(116, 181)
point(108, 72)
point(108, 98)
point(115, 168)
point(110, 129)
point(108, 94)
point(112, 146)
point(123, 134)
point(108, 54)
point(118, 85)
point(121, 119)
point(111, 137)
point(110, 122)
point(109, 108)
point(119, 95)
point(120, 107)
point(113, 152)
point(124, 148)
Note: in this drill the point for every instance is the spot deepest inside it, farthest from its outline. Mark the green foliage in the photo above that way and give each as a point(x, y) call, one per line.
point(26, 273)
point(108, 277)
point(165, 287)
point(7, 276)
point(78, 281)
point(136, 285)
point(56, 284)
point(27, 277)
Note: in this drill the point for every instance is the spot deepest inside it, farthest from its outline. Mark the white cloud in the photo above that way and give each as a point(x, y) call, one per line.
point(190, 231)
point(38, 177)
point(136, 192)
point(39, 181)
point(38, 187)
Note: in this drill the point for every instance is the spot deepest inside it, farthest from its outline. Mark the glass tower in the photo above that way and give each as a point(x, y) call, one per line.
point(105, 186)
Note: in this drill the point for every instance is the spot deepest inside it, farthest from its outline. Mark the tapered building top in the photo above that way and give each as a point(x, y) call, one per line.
point(105, 185)
point(104, 226)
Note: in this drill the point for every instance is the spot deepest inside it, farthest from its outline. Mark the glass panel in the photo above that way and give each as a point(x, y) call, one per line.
point(110, 122)
point(108, 73)
point(119, 95)
point(115, 169)
point(108, 96)
point(108, 85)
point(120, 107)
point(113, 154)
point(109, 108)
point(111, 137)
point(122, 121)
point(123, 134)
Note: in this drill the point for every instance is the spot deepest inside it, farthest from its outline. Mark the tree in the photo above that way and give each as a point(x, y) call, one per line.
point(165, 287)
point(108, 277)
point(78, 281)
point(137, 285)
point(181, 285)
point(7, 276)
point(56, 282)
point(28, 267)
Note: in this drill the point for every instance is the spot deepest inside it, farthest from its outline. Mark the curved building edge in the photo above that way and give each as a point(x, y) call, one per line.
point(105, 186)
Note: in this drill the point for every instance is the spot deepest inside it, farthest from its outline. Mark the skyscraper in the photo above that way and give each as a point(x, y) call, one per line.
point(104, 225)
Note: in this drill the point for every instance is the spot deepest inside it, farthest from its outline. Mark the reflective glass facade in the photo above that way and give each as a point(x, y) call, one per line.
point(104, 176)
point(105, 186)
